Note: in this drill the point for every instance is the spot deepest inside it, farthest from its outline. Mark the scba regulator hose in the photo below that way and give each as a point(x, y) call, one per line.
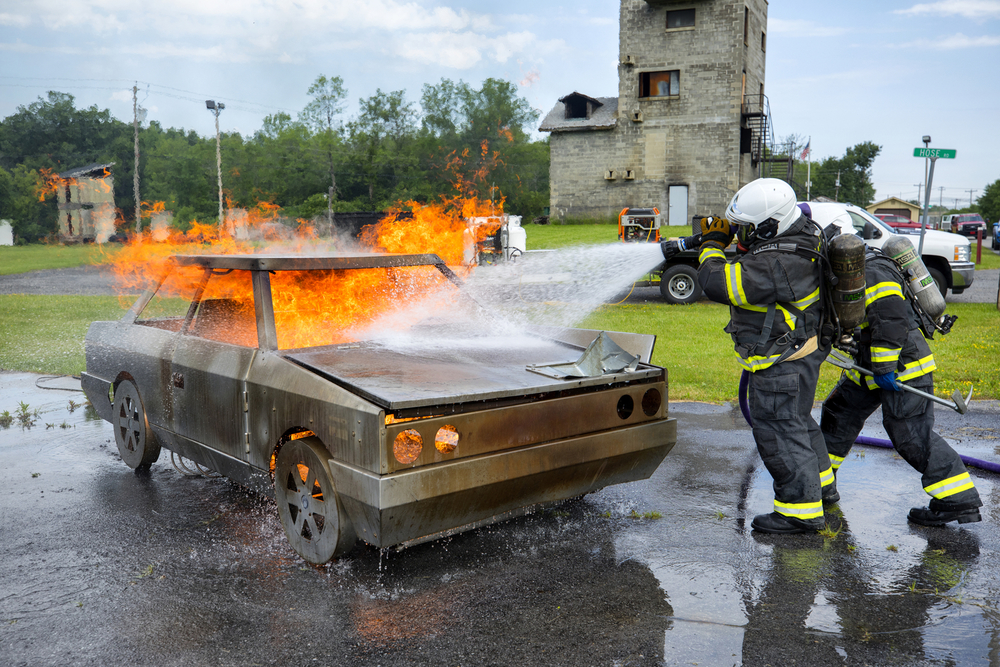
point(862, 439)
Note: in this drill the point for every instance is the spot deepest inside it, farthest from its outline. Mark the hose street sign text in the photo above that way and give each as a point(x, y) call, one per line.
point(934, 152)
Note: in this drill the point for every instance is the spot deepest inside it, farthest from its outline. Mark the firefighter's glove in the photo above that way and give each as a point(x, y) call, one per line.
point(888, 382)
point(674, 246)
point(670, 248)
point(716, 232)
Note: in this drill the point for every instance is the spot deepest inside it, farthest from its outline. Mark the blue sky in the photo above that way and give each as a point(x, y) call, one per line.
point(888, 72)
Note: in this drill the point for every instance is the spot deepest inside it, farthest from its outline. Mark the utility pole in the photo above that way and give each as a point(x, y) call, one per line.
point(836, 195)
point(941, 196)
point(135, 173)
point(919, 189)
point(970, 196)
point(211, 105)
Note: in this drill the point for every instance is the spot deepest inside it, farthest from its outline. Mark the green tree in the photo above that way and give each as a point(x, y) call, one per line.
point(328, 96)
point(380, 140)
point(989, 202)
point(31, 218)
point(853, 170)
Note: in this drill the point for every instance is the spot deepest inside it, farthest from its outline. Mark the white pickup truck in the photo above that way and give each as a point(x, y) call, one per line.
point(947, 256)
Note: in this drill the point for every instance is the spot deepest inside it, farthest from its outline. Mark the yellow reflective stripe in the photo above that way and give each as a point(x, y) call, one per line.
point(754, 364)
point(879, 290)
point(950, 486)
point(800, 510)
point(826, 477)
point(884, 354)
point(708, 252)
point(734, 284)
point(835, 461)
point(750, 306)
point(915, 369)
point(807, 301)
point(789, 318)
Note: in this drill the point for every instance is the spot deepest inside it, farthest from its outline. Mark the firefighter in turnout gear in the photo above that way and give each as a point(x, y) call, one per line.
point(891, 345)
point(776, 309)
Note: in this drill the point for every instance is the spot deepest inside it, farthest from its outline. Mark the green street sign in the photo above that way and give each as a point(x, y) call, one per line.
point(934, 152)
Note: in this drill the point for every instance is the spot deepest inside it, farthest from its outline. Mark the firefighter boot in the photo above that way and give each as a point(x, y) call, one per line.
point(781, 524)
point(938, 512)
point(830, 494)
point(925, 516)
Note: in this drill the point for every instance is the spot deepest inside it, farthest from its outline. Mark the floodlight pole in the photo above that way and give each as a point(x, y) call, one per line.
point(217, 107)
point(135, 172)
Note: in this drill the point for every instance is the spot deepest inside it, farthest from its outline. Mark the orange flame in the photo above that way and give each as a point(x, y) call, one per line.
point(319, 307)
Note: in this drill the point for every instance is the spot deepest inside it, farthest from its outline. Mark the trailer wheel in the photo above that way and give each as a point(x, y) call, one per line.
point(136, 443)
point(679, 284)
point(308, 505)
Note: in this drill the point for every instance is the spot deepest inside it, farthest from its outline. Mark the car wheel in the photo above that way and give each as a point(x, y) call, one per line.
point(942, 284)
point(994, 243)
point(136, 443)
point(679, 284)
point(308, 505)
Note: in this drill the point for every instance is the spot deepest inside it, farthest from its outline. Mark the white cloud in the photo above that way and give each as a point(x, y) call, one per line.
point(970, 9)
point(15, 20)
point(958, 41)
point(803, 28)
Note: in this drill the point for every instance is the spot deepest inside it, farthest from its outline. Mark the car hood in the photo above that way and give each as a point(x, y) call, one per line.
point(440, 369)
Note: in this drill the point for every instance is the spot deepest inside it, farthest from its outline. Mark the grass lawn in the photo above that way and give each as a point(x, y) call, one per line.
point(20, 259)
point(546, 237)
point(44, 334)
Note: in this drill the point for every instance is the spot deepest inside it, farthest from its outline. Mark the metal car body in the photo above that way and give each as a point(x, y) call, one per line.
point(396, 441)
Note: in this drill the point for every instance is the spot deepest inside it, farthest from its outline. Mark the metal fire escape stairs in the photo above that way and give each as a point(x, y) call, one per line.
point(756, 132)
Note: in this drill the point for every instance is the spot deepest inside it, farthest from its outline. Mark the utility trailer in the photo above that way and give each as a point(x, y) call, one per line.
point(370, 396)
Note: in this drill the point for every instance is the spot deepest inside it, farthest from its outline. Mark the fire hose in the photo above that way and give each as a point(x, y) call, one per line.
point(861, 439)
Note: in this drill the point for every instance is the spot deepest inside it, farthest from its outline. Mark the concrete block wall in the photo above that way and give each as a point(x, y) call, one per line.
point(692, 139)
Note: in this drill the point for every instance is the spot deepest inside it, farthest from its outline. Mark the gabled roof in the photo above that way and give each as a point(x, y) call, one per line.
point(95, 170)
point(601, 118)
point(581, 96)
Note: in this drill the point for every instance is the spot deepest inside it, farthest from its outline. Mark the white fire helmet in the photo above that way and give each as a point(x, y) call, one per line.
point(763, 209)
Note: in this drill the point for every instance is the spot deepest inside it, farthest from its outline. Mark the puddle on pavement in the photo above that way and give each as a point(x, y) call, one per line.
point(177, 564)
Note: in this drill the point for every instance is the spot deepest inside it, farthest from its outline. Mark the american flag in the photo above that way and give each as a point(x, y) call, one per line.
point(805, 151)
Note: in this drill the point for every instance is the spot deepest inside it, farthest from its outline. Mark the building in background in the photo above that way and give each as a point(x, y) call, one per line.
point(896, 206)
point(86, 197)
point(690, 124)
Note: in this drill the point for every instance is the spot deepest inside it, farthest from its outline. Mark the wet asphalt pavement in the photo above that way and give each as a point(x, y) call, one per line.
point(100, 566)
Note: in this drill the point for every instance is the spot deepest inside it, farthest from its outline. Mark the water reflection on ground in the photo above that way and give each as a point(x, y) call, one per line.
point(98, 565)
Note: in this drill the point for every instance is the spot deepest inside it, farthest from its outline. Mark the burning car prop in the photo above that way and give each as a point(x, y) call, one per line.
point(371, 396)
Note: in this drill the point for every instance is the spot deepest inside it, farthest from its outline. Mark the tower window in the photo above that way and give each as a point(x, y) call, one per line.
point(680, 18)
point(660, 84)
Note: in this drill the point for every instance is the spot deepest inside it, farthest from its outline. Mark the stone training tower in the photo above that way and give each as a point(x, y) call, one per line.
point(690, 123)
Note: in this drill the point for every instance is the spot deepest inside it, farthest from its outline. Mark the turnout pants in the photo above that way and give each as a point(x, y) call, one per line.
point(909, 421)
point(788, 439)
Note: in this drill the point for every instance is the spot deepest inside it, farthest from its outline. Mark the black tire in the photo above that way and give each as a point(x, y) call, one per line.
point(994, 244)
point(308, 505)
point(136, 443)
point(679, 284)
point(942, 284)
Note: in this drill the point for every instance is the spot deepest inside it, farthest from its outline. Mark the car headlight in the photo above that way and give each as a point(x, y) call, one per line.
point(962, 253)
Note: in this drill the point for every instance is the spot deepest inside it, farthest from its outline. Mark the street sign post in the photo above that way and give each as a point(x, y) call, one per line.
point(948, 153)
point(931, 154)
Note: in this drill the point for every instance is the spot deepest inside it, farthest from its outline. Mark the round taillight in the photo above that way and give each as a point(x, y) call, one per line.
point(446, 439)
point(407, 446)
point(651, 401)
point(625, 406)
